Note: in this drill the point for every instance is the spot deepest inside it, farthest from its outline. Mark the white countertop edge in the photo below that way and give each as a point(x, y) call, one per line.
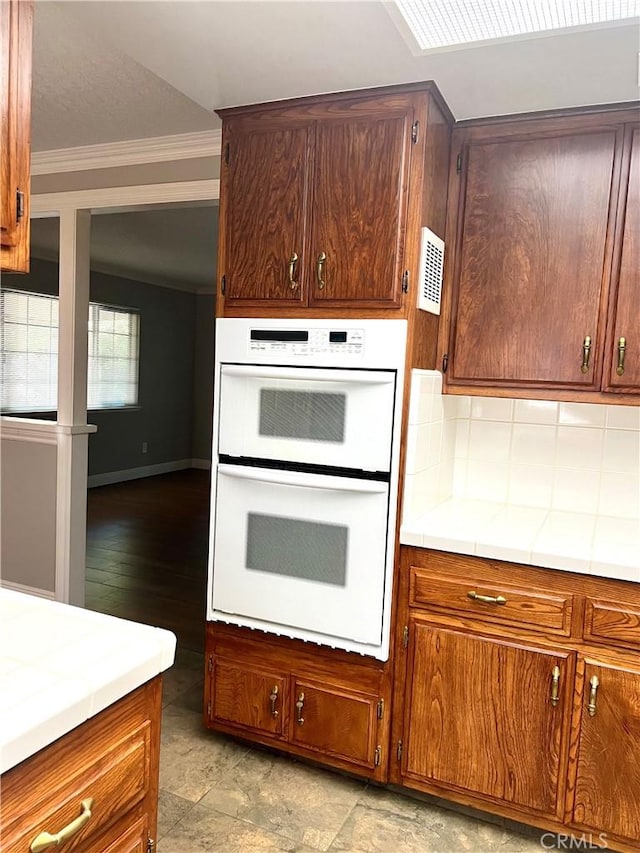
point(452, 526)
point(76, 683)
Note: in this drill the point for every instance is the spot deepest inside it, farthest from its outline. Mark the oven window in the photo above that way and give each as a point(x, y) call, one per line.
point(307, 415)
point(311, 550)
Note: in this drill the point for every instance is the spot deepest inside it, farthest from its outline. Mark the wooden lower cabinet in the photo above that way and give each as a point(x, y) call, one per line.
point(320, 703)
point(334, 720)
point(105, 770)
point(467, 703)
point(534, 721)
point(606, 796)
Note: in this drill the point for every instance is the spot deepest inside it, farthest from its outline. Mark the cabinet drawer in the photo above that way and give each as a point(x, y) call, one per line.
point(108, 787)
point(330, 719)
point(252, 698)
point(129, 840)
point(536, 610)
point(612, 623)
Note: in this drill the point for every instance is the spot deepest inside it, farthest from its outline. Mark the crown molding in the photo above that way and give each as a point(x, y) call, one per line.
point(130, 152)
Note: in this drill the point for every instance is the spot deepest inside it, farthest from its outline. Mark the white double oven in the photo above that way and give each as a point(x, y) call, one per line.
point(305, 478)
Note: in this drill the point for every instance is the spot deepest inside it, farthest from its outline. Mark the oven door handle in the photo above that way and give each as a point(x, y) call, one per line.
point(317, 374)
point(307, 481)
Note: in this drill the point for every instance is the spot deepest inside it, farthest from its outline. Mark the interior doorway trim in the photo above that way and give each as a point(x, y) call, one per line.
point(120, 199)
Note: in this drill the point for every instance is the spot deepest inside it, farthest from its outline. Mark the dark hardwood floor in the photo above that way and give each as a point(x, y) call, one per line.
point(147, 552)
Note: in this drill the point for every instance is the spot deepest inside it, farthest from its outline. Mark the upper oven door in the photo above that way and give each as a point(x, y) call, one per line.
point(320, 416)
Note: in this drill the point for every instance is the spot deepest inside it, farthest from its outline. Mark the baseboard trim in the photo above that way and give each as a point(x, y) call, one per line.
point(203, 464)
point(110, 477)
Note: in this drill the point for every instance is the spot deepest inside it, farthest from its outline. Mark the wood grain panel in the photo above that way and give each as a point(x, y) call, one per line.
point(533, 250)
point(113, 758)
point(241, 696)
point(607, 792)
point(359, 209)
point(266, 200)
point(336, 721)
point(612, 622)
point(8, 11)
point(15, 100)
point(537, 610)
point(627, 307)
point(469, 698)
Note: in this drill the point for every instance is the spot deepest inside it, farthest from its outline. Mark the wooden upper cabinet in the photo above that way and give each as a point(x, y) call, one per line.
point(358, 209)
point(267, 190)
point(607, 787)
point(16, 17)
point(623, 360)
point(467, 701)
point(314, 202)
point(533, 249)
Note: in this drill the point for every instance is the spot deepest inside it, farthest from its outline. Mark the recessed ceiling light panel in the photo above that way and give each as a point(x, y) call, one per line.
point(438, 24)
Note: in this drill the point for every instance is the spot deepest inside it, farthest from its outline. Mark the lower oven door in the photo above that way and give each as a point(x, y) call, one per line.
point(301, 554)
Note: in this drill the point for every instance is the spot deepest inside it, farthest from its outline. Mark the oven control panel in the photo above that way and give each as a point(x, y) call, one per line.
point(307, 342)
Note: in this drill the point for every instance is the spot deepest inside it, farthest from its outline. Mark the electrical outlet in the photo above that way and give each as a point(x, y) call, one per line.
point(144, 446)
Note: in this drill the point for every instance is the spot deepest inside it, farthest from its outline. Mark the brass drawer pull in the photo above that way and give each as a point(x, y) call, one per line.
point(292, 271)
point(299, 707)
point(586, 353)
point(622, 348)
point(594, 681)
point(320, 270)
point(487, 599)
point(46, 839)
point(273, 698)
point(555, 686)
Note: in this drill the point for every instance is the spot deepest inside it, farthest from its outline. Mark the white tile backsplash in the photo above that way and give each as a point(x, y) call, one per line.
point(582, 414)
point(541, 454)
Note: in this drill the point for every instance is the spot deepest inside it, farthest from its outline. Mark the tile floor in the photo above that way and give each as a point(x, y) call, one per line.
point(217, 794)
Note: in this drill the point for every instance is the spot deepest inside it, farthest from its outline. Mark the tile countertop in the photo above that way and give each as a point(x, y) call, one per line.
point(571, 541)
point(61, 665)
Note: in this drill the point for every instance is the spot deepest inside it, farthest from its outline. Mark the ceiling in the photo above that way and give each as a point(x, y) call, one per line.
point(168, 246)
point(119, 70)
point(129, 69)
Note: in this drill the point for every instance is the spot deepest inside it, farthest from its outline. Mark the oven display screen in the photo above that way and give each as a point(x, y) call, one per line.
point(302, 342)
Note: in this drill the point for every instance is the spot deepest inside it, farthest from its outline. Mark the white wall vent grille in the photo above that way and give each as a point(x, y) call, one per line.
point(431, 270)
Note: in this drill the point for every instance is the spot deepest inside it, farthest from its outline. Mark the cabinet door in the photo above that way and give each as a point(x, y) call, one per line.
point(330, 719)
point(533, 230)
point(266, 197)
point(624, 369)
point(360, 182)
point(15, 130)
point(480, 717)
point(607, 788)
point(248, 697)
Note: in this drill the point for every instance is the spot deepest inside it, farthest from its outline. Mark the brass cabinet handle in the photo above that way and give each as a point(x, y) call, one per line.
point(292, 271)
point(586, 353)
point(487, 599)
point(320, 270)
point(555, 686)
point(273, 698)
point(46, 839)
point(594, 681)
point(299, 707)
point(622, 347)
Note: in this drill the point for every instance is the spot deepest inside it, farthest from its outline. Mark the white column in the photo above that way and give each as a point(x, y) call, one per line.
point(71, 505)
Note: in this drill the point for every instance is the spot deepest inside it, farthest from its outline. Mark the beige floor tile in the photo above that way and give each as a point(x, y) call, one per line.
point(207, 831)
point(171, 809)
point(193, 759)
point(306, 804)
point(385, 822)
